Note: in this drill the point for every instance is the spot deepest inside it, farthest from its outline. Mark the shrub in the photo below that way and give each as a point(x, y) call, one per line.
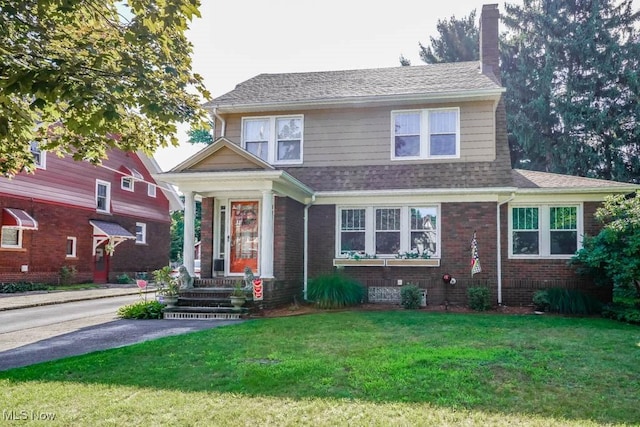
point(572, 301)
point(479, 298)
point(10, 288)
point(410, 296)
point(335, 291)
point(67, 274)
point(622, 312)
point(123, 279)
point(541, 300)
point(142, 310)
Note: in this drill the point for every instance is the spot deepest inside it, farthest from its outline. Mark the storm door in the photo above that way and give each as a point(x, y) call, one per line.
point(245, 243)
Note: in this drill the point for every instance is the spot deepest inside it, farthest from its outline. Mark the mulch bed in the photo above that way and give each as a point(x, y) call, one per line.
point(301, 309)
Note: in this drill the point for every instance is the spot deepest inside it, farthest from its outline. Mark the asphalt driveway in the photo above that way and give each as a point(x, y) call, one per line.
point(117, 333)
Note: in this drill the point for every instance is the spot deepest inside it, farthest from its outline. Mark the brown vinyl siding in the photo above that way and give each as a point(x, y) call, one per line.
point(349, 137)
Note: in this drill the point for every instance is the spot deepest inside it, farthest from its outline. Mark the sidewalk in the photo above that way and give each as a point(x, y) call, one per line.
point(38, 298)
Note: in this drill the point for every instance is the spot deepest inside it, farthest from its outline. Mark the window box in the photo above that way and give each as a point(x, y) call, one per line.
point(364, 262)
point(413, 262)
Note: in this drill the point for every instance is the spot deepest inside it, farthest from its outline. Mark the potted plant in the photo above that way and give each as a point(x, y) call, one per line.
point(167, 286)
point(238, 296)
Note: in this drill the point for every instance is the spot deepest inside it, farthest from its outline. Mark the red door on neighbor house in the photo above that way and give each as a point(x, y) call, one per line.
point(100, 266)
point(245, 242)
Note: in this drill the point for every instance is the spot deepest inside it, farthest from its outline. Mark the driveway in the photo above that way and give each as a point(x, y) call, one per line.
point(117, 333)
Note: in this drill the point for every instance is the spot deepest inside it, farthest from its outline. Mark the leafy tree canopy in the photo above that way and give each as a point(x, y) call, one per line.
point(79, 77)
point(200, 136)
point(611, 257)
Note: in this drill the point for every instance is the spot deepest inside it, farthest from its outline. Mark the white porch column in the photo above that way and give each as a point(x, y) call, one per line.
point(266, 238)
point(189, 231)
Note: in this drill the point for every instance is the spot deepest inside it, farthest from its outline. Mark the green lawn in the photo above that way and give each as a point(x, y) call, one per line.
point(351, 368)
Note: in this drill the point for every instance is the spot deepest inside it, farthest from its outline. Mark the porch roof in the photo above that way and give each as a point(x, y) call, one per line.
point(111, 230)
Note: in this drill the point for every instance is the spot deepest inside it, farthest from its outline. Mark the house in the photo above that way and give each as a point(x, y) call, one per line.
point(389, 174)
point(88, 223)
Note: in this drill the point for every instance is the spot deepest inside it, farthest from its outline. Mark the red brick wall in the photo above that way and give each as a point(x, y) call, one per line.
point(521, 278)
point(44, 250)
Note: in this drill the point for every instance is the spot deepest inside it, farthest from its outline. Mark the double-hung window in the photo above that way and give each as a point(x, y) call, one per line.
point(141, 233)
point(103, 196)
point(551, 231)
point(275, 139)
point(425, 134)
point(126, 183)
point(387, 231)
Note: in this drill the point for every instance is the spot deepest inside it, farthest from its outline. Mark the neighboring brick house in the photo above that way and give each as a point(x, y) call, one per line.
point(69, 214)
point(312, 170)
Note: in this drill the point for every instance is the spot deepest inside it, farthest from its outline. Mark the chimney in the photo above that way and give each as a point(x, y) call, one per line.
point(489, 54)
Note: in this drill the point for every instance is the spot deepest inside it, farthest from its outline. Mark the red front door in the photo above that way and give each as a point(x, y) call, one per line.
point(245, 243)
point(100, 266)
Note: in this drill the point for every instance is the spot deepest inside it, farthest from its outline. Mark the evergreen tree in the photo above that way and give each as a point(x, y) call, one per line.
point(570, 68)
point(457, 41)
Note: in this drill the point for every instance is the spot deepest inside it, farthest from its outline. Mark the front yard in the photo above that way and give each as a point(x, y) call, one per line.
point(351, 368)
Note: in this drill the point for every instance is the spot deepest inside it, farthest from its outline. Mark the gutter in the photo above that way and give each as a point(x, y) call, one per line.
point(223, 129)
point(306, 246)
point(498, 246)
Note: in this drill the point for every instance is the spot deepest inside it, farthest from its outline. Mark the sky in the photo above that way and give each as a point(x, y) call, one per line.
point(236, 40)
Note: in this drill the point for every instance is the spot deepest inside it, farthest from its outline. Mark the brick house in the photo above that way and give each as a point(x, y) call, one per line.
point(388, 174)
point(71, 215)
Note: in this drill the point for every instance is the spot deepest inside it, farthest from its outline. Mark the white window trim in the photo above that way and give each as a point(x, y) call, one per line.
point(108, 196)
point(129, 179)
point(425, 133)
point(42, 164)
point(18, 246)
point(272, 143)
point(544, 232)
point(74, 252)
point(370, 232)
point(143, 232)
point(151, 190)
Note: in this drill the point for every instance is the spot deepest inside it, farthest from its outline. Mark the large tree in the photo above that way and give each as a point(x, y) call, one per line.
point(457, 41)
point(82, 76)
point(570, 68)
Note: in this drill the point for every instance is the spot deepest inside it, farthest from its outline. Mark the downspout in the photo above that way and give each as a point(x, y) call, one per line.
point(306, 245)
point(223, 129)
point(498, 246)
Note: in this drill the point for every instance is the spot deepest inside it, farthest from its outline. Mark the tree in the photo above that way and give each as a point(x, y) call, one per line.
point(611, 257)
point(570, 68)
point(200, 136)
point(80, 77)
point(458, 41)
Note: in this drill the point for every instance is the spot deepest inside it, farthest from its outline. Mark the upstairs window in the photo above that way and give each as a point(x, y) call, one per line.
point(548, 231)
point(151, 190)
point(276, 140)
point(39, 156)
point(103, 196)
point(126, 183)
point(425, 134)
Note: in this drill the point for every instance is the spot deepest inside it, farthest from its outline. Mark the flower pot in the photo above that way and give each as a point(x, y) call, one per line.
point(237, 302)
point(170, 300)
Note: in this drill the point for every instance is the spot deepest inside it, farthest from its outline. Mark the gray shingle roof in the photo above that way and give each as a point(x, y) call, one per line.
point(533, 179)
point(353, 84)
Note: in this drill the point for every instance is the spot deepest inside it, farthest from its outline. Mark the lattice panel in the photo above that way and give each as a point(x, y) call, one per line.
point(386, 294)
